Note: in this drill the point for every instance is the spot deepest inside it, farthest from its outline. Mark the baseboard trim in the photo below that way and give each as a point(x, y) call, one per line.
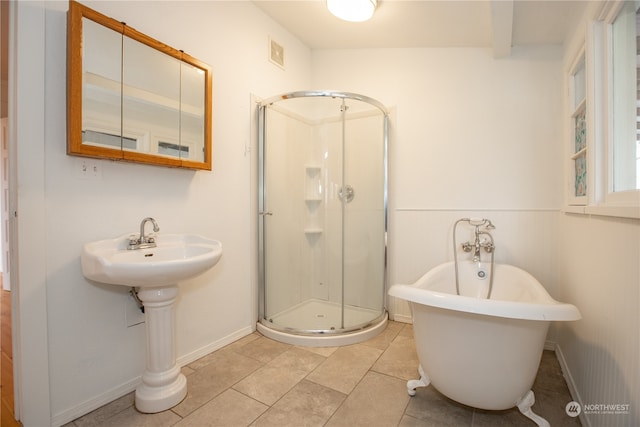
point(216, 345)
point(96, 402)
point(573, 390)
point(402, 318)
point(100, 400)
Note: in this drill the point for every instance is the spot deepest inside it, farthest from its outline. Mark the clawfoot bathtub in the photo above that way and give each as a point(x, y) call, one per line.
point(481, 352)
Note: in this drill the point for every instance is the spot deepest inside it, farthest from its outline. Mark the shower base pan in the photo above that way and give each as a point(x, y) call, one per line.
point(313, 316)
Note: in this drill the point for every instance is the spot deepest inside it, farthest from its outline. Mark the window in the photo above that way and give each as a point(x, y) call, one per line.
point(578, 149)
point(623, 47)
point(603, 155)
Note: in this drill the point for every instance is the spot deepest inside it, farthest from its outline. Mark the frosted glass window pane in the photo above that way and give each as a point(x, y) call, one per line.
point(579, 84)
point(581, 176)
point(580, 130)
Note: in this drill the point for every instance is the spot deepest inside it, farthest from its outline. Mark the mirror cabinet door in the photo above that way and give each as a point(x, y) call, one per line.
point(101, 87)
point(133, 98)
point(150, 101)
point(193, 112)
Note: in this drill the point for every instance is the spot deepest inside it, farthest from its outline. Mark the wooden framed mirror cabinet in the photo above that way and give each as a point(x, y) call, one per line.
point(133, 98)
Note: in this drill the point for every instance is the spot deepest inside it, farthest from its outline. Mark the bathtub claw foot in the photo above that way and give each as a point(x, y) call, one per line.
point(525, 405)
point(412, 385)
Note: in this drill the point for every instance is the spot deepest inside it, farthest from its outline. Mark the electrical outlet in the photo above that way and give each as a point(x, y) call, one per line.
point(88, 169)
point(133, 314)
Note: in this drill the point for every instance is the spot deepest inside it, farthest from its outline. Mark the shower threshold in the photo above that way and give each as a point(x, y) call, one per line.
point(304, 319)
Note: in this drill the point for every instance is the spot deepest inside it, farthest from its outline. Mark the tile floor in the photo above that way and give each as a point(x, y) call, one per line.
point(260, 382)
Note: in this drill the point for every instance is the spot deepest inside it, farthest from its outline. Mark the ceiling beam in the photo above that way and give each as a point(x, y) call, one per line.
point(502, 27)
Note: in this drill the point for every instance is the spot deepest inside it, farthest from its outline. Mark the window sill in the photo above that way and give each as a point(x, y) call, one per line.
point(632, 212)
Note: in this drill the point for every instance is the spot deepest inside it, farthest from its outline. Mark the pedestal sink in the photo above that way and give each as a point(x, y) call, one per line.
point(156, 272)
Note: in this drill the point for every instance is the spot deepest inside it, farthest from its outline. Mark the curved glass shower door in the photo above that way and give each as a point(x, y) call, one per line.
point(322, 205)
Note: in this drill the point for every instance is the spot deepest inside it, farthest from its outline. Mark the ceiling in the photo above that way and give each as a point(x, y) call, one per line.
point(497, 24)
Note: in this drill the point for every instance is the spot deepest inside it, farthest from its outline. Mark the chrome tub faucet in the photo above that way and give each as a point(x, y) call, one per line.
point(486, 243)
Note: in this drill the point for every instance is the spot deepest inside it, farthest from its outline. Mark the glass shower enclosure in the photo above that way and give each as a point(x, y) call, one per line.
point(322, 219)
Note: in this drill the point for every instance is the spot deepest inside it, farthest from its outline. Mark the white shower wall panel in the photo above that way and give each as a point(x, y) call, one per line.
point(364, 259)
point(285, 232)
point(362, 245)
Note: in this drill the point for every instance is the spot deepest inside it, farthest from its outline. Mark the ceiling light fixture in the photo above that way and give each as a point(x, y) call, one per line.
point(352, 10)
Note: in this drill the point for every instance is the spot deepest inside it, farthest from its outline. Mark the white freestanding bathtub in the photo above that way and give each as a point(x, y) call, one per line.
point(481, 352)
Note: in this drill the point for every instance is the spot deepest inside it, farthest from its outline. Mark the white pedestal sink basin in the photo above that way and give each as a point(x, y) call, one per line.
point(156, 271)
point(176, 257)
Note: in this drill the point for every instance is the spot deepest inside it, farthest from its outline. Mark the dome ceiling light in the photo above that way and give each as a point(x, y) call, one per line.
point(352, 10)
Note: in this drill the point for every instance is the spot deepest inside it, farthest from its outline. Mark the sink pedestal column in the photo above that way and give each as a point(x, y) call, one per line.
point(163, 385)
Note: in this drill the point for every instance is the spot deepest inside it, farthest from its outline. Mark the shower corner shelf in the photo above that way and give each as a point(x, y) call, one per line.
point(313, 230)
point(312, 184)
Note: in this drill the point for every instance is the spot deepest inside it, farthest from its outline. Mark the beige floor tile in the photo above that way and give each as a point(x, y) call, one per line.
point(549, 375)
point(186, 371)
point(243, 341)
point(384, 338)
point(263, 349)
point(432, 408)
point(345, 368)
point(100, 415)
point(229, 409)
point(408, 421)
point(307, 404)
point(322, 351)
point(276, 378)
point(406, 331)
point(378, 400)
point(224, 369)
point(132, 418)
point(551, 405)
point(399, 359)
point(507, 418)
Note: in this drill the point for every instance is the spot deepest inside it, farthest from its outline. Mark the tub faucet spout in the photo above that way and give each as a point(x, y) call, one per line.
point(476, 253)
point(477, 245)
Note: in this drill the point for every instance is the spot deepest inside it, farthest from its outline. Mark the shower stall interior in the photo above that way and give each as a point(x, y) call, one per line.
point(322, 217)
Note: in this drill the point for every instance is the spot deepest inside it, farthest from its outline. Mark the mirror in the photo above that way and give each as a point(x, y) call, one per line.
point(133, 98)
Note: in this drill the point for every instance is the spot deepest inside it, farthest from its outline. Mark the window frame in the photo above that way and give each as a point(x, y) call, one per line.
point(575, 106)
point(600, 199)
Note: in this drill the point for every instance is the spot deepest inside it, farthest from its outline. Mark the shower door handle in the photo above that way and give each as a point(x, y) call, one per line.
point(346, 193)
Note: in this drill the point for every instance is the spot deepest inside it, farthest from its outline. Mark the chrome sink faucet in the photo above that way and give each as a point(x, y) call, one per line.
point(142, 241)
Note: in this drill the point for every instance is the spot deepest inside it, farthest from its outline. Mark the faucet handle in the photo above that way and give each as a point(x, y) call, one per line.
point(134, 239)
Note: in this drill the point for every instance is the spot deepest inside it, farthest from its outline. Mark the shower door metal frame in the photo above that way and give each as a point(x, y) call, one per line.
point(263, 213)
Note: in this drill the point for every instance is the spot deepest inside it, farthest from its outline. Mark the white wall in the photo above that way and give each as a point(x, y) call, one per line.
point(92, 355)
point(600, 274)
point(599, 269)
point(471, 136)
